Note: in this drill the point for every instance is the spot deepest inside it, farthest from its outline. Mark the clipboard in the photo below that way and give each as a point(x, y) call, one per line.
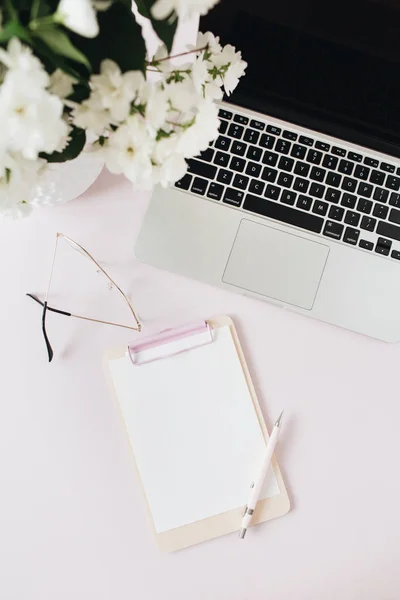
point(119, 366)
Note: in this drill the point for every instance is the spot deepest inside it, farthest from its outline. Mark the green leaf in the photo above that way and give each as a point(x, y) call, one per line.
point(14, 29)
point(59, 42)
point(165, 29)
point(120, 39)
point(74, 148)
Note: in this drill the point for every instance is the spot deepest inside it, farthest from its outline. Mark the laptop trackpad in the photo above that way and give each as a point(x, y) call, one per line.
point(280, 265)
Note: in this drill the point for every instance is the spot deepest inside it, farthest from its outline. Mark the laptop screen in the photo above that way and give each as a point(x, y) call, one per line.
point(330, 65)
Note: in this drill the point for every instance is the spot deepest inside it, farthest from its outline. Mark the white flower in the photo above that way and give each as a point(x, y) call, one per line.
point(79, 16)
point(91, 115)
point(31, 118)
point(155, 98)
point(203, 82)
point(61, 84)
point(182, 96)
point(19, 186)
point(171, 170)
point(196, 138)
point(184, 9)
point(161, 60)
point(235, 66)
point(20, 58)
point(117, 90)
point(128, 150)
point(210, 40)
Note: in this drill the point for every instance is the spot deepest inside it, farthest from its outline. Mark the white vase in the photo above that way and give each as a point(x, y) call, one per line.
point(65, 181)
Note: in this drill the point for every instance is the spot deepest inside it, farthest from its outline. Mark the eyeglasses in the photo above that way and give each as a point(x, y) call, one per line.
point(47, 308)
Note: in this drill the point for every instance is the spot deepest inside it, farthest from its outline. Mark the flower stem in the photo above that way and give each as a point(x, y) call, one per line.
point(11, 10)
point(35, 9)
point(152, 63)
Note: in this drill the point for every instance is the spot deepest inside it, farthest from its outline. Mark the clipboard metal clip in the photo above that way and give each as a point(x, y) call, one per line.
point(170, 342)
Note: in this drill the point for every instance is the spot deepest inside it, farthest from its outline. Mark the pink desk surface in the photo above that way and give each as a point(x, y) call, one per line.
point(72, 520)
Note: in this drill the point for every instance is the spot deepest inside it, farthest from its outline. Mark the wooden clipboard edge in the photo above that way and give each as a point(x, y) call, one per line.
point(224, 523)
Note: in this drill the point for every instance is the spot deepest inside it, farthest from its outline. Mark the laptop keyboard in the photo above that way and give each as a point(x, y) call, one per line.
point(301, 181)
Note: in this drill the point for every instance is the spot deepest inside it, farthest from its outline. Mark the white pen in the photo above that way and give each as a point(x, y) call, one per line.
point(256, 489)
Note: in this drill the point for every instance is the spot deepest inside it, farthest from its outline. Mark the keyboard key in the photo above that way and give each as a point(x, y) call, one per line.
point(380, 211)
point(223, 126)
point(272, 191)
point(354, 156)
point(371, 162)
point(361, 172)
point(267, 141)
point(366, 245)
point(368, 223)
point(252, 136)
point(269, 174)
point(364, 206)
point(380, 194)
point(336, 213)
point(320, 207)
point(286, 164)
point(199, 186)
point(289, 135)
point(365, 189)
point(384, 242)
point(388, 230)
point(301, 185)
point(394, 200)
point(333, 179)
point(224, 176)
point(317, 174)
point(222, 143)
point(338, 151)
point(333, 230)
point(351, 236)
point(314, 157)
point(241, 119)
point(395, 254)
point(322, 146)
point(387, 167)
point(349, 184)
point(394, 216)
point(239, 148)
point(298, 151)
point(317, 190)
point(233, 197)
point(288, 197)
point(352, 218)
point(304, 202)
point(270, 158)
point(253, 169)
point(274, 130)
point(377, 177)
point(302, 168)
point(240, 181)
point(222, 159)
point(225, 114)
point(283, 146)
point(283, 213)
point(307, 141)
point(257, 125)
point(256, 187)
point(254, 153)
point(332, 195)
point(392, 182)
point(382, 250)
point(330, 162)
point(207, 154)
point(200, 168)
point(235, 131)
point(346, 167)
point(285, 180)
point(215, 191)
point(348, 200)
point(237, 164)
point(185, 182)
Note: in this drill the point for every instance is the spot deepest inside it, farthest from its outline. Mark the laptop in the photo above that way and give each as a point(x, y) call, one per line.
point(297, 202)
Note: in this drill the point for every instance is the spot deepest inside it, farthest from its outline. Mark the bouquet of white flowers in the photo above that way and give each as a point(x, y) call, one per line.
point(74, 72)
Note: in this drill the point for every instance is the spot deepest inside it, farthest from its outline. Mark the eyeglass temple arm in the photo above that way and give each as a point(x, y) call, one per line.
point(68, 314)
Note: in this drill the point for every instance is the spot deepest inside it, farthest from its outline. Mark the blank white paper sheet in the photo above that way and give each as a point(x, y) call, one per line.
point(194, 431)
